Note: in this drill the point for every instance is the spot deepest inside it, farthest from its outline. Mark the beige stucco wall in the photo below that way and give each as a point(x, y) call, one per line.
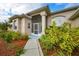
point(28, 30)
point(24, 26)
point(65, 14)
point(75, 22)
point(18, 24)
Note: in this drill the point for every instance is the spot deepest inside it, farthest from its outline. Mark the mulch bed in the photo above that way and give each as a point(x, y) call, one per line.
point(19, 43)
point(49, 52)
point(75, 52)
point(7, 49)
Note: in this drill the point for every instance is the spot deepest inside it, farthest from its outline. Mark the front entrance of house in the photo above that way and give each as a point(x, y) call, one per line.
point(36, 33)
point(36, 28)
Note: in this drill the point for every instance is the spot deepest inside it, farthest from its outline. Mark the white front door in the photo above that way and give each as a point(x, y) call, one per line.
point(36, 28)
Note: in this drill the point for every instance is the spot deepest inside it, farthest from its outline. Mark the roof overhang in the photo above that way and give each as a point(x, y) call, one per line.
point(75, 15)
point(28, 15)
point(45, 8)
point(65, 10)
point(19, 17)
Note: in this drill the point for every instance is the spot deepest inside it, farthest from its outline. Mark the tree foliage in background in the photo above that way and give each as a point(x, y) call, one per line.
point(4, 26)
point(62, 39)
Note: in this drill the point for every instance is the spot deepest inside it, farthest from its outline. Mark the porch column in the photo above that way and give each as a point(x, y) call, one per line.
point(43, 15)
point(23, 26)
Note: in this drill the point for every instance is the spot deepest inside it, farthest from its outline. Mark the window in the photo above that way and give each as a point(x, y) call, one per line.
point(59, 20)
point(28, 25)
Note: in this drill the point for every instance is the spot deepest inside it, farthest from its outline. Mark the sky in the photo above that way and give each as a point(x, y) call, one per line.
point(9, 9)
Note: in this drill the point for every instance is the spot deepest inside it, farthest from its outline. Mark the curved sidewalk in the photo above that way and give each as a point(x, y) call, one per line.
point(32, 48)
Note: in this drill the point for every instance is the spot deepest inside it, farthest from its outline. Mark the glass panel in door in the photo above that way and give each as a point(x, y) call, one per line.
point(36, 28)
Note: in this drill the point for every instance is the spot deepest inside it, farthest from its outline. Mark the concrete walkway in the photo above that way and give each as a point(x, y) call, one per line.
point(32, 48)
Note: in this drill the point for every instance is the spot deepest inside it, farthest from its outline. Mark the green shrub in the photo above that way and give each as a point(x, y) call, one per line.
point(15, 35)
point(25, 37)
point(62, 39)
point(10, 35)
point(2, 34)
point(19, 51)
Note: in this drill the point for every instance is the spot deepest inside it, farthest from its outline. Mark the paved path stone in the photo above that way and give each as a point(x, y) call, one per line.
point(32, 48)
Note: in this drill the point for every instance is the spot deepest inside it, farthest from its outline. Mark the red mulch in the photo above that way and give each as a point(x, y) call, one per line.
point(5, 51)
point(49, 52)
point(75, 52)
point(19, 43)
